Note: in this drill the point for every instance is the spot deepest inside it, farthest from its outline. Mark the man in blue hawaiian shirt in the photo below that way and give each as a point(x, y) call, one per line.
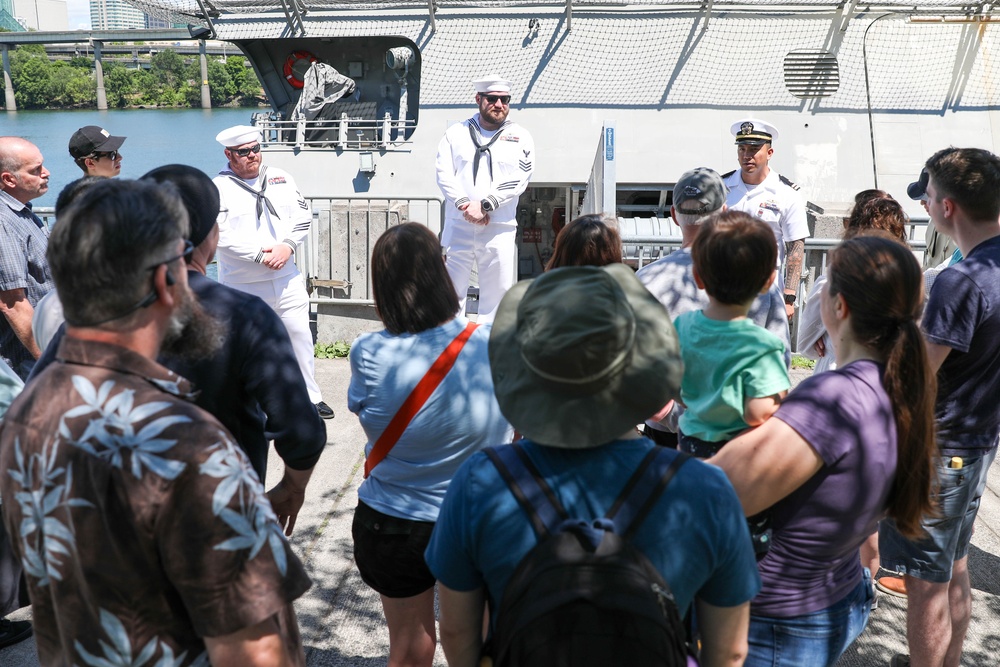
point(145, 535)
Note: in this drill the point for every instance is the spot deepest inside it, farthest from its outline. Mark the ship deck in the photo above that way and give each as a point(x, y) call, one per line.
point(341, 618)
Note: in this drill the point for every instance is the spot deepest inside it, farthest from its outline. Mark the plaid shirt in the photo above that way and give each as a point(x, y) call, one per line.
point(23, 239)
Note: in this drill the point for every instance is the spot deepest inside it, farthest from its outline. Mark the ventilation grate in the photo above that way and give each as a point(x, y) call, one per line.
point(811, 73)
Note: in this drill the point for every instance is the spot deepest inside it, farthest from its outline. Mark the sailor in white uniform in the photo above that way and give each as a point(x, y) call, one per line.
point(263, 218)
point(760, 191)
point(483, 166)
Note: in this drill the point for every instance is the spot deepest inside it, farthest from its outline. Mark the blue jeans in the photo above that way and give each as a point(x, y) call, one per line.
point(812, 640)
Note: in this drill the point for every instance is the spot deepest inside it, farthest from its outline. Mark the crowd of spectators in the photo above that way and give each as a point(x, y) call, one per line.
point(135, 504)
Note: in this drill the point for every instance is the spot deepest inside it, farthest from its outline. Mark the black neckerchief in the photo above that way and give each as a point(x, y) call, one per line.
point(480, 149)
point(258, 194)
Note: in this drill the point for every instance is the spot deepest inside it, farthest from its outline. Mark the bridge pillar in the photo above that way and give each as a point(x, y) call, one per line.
point(102, 96)
point(8, 84)
point(206, 93)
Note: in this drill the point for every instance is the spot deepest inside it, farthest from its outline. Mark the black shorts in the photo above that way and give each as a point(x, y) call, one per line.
point(389, 552)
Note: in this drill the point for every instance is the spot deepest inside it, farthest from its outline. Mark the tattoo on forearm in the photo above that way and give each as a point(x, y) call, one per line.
point(794, 252)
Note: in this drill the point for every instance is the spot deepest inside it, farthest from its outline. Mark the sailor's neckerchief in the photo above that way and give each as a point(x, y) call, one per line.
point(258, 194)
point(475, 132)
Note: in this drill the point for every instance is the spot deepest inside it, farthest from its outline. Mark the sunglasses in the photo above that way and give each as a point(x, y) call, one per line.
point(493, 99)
point(243, 152)
point(186, 256)
point(150, 298)
point(112, 154)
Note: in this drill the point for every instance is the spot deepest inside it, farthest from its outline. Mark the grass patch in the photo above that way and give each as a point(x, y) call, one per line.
point(332, 350)
point(799, 362)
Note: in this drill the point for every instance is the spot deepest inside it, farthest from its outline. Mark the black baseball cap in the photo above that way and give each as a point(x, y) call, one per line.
point(918, 188)
point(93, 139)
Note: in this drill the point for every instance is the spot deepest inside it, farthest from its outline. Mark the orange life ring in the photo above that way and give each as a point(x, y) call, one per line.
point(296, 65)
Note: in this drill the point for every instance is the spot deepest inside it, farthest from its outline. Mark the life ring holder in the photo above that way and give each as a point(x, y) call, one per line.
point(293, 77)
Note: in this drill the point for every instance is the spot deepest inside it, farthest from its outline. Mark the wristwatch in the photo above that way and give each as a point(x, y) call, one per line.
point(487, 205)
point(790, 299)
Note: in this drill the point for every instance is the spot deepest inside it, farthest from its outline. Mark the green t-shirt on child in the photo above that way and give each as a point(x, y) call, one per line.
point(725, 362)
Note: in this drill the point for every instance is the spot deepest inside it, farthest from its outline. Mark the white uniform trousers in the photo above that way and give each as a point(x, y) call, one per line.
point(493, 249)
point(288, 297)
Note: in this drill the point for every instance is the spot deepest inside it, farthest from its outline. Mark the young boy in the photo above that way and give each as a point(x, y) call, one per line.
point(734, 371)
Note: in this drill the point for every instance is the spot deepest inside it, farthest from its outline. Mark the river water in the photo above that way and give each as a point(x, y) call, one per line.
point(154, 137)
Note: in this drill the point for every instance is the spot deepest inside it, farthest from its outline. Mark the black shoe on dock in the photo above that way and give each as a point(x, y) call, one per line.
point(324, 410)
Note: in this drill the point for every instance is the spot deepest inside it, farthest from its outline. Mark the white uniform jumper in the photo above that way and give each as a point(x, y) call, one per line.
point(495, 166)
point(777, 202)
point(261, 213)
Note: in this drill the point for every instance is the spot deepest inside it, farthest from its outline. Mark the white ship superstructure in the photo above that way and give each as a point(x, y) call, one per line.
point(862, 93)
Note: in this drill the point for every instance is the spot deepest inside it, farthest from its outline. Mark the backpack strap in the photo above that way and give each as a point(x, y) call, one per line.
point(530, 489)
point(643, 489)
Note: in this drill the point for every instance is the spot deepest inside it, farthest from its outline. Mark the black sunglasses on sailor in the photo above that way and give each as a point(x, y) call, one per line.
point(493, 99)
point(110, 154)
point(243, 152)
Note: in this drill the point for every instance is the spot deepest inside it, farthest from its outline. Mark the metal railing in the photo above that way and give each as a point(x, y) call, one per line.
point(46, 213)
point(335, 256)
point(345, 132)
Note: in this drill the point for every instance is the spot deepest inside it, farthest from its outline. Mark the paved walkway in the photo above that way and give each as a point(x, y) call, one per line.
point(341, 619)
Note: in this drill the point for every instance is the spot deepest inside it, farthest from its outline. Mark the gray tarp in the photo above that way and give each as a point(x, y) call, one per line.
point(321, 87)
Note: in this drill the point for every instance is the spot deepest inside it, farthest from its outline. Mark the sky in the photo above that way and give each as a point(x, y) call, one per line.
point(79, 14)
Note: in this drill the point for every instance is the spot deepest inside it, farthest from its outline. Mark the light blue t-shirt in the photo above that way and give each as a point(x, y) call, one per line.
point(696, 535)
point(725, 362)
point(460, 418)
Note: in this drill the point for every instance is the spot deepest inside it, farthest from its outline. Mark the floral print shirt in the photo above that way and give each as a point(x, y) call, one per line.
point(140, 525)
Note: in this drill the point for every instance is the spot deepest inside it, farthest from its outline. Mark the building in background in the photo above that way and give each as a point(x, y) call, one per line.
point(115, 15)
point(42, 14)
point(156, 23)
point(7, 20)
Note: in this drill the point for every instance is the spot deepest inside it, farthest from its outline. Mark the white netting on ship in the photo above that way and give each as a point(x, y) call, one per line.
point(191, 10)
point(668, 58)
point(670, 62)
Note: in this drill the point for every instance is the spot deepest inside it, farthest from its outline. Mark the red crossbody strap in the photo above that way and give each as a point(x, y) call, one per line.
point(411, 406)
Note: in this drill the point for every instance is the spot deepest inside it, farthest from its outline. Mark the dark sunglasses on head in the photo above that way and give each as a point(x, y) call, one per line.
point(243, 152)
point(110, 154)
point(503, 99)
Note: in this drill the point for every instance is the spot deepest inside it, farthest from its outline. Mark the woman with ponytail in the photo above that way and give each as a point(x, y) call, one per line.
point(845, 449)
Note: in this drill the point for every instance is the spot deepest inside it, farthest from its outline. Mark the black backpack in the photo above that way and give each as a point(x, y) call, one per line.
point(583, 595)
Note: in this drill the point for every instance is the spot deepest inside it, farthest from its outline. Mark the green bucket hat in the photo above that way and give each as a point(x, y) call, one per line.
point(582, 354)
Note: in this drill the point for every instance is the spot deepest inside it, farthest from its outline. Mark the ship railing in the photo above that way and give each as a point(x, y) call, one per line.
point(46, 213)
point(335, 256)
point(343, 133)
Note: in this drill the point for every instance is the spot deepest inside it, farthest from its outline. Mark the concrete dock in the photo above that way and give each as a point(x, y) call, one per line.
point(341, 618)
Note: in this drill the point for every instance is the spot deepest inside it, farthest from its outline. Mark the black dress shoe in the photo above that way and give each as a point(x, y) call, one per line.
point(324, 410)
point(12, 632)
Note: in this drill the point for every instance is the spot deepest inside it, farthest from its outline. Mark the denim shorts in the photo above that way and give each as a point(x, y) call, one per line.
point(948, 534)
point(815, 639)
point(389, 552)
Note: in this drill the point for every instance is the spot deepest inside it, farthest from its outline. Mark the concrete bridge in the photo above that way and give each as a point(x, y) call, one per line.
point(99, 42)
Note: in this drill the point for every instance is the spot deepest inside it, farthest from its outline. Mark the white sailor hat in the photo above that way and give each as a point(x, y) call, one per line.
point(492, 84)
point(753, 131)
point(238, 135)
